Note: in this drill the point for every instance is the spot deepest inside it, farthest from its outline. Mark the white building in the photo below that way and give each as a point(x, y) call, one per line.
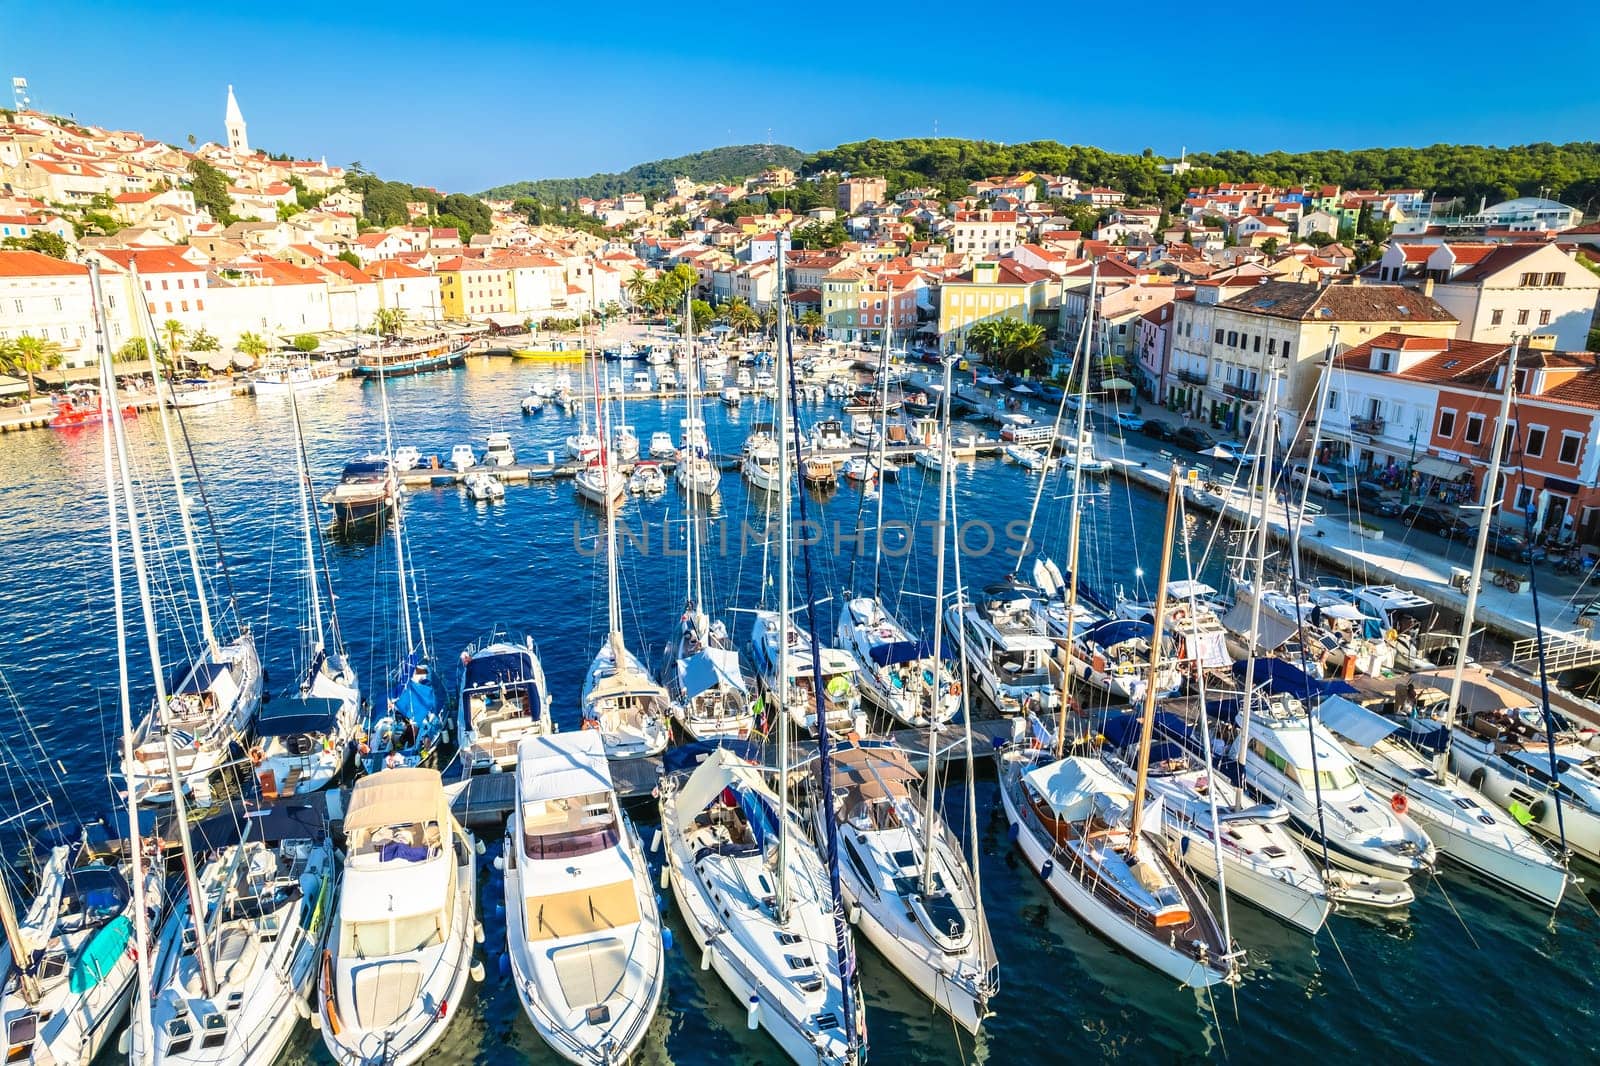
point(50, 299)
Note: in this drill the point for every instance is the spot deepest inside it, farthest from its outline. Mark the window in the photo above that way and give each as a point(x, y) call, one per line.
point(1555, 278)
point(58, 303)
point(1522, 317)
point(1447, 422)
point(1495, 317)
point(1333, 399)
point(1272, 346)
point(1474, 431)
point(1571, 448)
point(1217, 339)
point(1533, 448)
point(1530, 280)
point(1524, 498)
point(1544, 317)
point(1286, 349)
point(1233, 338)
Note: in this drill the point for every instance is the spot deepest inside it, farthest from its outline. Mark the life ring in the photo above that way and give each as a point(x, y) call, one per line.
point(256, 755)
point(1398, 803)
point(955, 688)
point(591, 723)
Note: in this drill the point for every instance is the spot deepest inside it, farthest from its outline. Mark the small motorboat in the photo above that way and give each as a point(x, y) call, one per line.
point(498, 450)
point(732, 397)
point(482, 485)
point(647, 479)
point(533, 403)
point(661, 446)
point(406, 458)
point(1022, 455)
point(463, 458)
point(584, 446)
point(625, 444)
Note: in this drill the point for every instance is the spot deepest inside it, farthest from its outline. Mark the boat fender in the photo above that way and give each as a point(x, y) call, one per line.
point(123, 1042)
point(1538, 808)
point(1398, 803)
point(705, 958)
point(666, 939)
point(1476, 778)
point(852, 911)
point(302, 1008)
point(477, 846)
point(477, 932)
point(1047, 869)
point(664, 877)
point(477, 972)
point(655, 842)
point(500, 862)
point(752, 1019)
point(316, 1021)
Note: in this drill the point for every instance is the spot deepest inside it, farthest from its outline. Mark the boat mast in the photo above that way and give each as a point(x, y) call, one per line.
point(1148, 718)
point(1269, 435)
point(883, 450)
point(694, 576)
point(303, 477)
point(1491, 504)
point(780, 420)
point(1319, 397)
point(143, 1027)
point(406, 629)
point(156, 376)
point(938, 634)
point(613, 599)
point(1074, 525)
point(197, 914)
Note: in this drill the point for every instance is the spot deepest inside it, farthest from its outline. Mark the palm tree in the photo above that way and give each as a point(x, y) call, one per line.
point(29, 355)
point(812, 322)
point(1008, 342)
point(740, 315)
point(769, 316)
point(637, 287)
point(251, 344)
point(389, 321)
point(174, 333)
point(204, 341)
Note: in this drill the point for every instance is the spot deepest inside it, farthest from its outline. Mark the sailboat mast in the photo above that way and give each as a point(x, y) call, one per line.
point(1319, 397)
point(938, 633)
point(883, 449)
point(1491, 503)
point(613, 601)
point(1075, 522)
point(1148, 718)
point(197, 914)
point(693, 558)
point(143, 1028)
point(780, 420)
point(1269, 435)
point(303, 477)
point(202, 602)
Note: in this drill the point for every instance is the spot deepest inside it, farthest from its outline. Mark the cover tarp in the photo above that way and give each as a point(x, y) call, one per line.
point(900, 651)
point(1479, 692)
point(562, 766)
point(710, 668)
point(875, 770)
point(1114, 631)
point(284, 821)
point(415, 698)
point(1077, 786)
point(1288, 679)
point(289, 717)
point(199, 680)
point(491, 671)
point(1273, 632)
point(1354, 722)
point(396, 797)
point(100, 954)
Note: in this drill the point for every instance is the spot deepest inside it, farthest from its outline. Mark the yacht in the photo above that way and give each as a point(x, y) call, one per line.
point(366, 490)
point(908, 881)
point(1191, 620)
point(406, 732)
point(1071, 818)
point(268, 894)
point(709, 691)
point(647, 479)
point(841, 695)
point(732, 396)
point(303, 743)
point(720, 824)
point(625, 444)
point(1113, 656)
point(1008, 654)
point(1080, 456)
point(397, 959)
point(582, 926)
point(1406, 620)
point(281, 380)
point(1464, 824)
point(583, 446)
point(463, 458)
point(501, 700)
point(599, 482)
point(1028, 458)
point(482, 486)
point(760, 463)
point(899, 674)
point(661, 446)
point(498, 450)
point(406, 458)
point(828, 435)
point(198, 392)
point(698, 474)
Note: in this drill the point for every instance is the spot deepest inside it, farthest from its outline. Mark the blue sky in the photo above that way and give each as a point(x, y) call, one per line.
point(578, 88)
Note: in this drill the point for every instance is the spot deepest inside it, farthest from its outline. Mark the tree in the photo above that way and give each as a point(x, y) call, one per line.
point(812, 322)
point(133, 351)
point(1318, 239)
point(39, 241)
point(817, 235)
point(637, 287)
point(305, 343)
point(29, 355)
point(350, 257)
point(389, 321)
point(1008, 342)
point(192, 140)
point(288, 211)
point(174, 333)
point(1269, 247)
point(740, 316)
point(251, 344)
point(204, 341)
point(701, 315)
point(210, 188)
point(677, 228)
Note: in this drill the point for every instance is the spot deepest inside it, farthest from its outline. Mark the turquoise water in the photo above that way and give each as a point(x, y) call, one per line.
point(1469, 974)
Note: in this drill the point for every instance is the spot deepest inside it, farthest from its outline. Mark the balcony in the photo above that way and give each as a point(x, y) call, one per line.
point(1190, 377)
point(1370, 426)
point(1241, 392)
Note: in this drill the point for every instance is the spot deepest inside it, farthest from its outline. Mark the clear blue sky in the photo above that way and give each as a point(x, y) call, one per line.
point(417, 94)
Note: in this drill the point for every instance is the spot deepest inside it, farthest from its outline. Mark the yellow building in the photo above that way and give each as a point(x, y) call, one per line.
point(470, 289)
point(989, 290)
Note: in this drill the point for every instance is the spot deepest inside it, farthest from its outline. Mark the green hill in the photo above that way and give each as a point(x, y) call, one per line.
point(730, 163)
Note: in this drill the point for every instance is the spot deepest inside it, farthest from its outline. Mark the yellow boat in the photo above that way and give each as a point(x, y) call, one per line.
point(549, 355)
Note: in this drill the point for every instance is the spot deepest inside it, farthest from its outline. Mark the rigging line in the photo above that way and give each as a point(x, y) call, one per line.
point(1439, 883)
point(211, 519)
point(1334, 939)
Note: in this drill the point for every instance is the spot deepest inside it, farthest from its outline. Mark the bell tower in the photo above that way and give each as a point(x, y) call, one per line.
point(237, 140)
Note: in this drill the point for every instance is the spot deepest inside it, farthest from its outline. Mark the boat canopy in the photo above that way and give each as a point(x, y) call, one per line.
point(1480, 693)
point(199, 679)
point(900, 651)
point(1285, 678)
point(365, 468)
point(1077, 787)
point(108, 944)
point(401, 796)
point(1272, 633)
point(562, 766)
point(415, 698)
point(289, 820)
point(1182, 590)
point(487, 673)
point(1168, 739)
point(708, 669)
point(878, 771)
point(292, 717)
point(1354, 722)
point(1114, 631)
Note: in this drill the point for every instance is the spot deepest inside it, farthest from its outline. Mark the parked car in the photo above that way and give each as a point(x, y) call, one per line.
point(1129, 421)
point(1325, 480)
point(1154, 427)
point(1196, 440)
point(1376, 499)
point(1237, 451)
point(1507, 543)
point(1434, 519)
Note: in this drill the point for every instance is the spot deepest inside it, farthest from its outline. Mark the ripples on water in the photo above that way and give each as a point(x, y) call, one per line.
point(1416, 988)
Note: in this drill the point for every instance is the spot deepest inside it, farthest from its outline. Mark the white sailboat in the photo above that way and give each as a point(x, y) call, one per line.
point(783, 666)
point(695, 473)
point(502, 700)
point(398, 958)
point(582, 924)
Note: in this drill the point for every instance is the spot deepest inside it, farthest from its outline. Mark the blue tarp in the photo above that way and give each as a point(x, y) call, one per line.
point(1284, 678)
point(901, 651)
point(491, 671)
point(763, 823)
point(703, 671)
point(290, 717)
point(199, 680)
point(681, 757)
point(1114, 631)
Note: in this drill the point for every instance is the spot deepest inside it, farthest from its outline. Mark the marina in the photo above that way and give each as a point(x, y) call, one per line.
point(535, 560)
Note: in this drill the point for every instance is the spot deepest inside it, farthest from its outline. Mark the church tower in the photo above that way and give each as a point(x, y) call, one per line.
point(237, 141)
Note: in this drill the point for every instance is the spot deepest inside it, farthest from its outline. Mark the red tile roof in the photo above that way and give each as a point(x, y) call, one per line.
point(20, 264)
point(150, 260)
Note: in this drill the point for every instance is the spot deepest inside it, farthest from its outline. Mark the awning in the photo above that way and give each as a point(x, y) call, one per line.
point(505, 319)
point(292, 717)
point(10, 386)
point(900, 651)
point(708, 669)
point(1116, 383)
point(214, 360)
point(1354, 722)
point(243, 361)
point(1431, 466)
point(66, 374)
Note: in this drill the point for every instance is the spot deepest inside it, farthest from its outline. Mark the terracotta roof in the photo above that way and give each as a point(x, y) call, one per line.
point(393, 268)
point(20, 264)
point(1339, 303)
point(1495, 259)
point(150, 260)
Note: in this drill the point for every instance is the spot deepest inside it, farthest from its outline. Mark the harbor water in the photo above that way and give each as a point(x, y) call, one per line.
point(1467, 974)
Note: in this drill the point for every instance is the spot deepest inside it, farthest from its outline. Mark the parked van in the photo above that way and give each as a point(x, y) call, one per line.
point(1325, 480)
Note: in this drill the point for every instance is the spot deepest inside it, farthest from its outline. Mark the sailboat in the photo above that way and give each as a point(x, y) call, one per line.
point(619, 698)
point(398, 958)
point(304, 740)
point(917, 899)
point(695, 473)
point(601, 481)
point(902, 676)
point(582, 924)
point(760, 461)
point(200, 727)
point(1095, 841)
point(756, 897)
point(502, 700)
point(407, 727)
